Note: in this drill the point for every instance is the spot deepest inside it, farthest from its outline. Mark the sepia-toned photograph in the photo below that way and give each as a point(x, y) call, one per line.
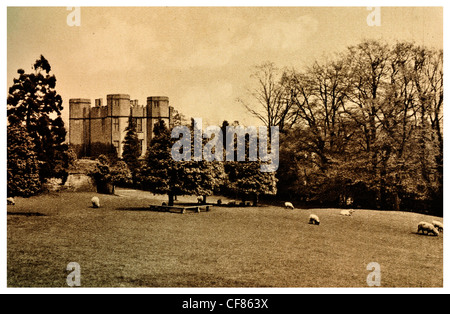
point(224, 147)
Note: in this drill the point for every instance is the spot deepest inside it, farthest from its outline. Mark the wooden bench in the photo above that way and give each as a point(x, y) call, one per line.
point(181, 209)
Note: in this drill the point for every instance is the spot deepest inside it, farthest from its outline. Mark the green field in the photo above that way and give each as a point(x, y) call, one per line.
point(123, 245)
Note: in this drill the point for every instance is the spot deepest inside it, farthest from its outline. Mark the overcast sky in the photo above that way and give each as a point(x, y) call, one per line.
point(201, 58)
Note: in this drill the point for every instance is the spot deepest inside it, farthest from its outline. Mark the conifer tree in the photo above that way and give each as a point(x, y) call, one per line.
point(132, 149)
point(33, 100)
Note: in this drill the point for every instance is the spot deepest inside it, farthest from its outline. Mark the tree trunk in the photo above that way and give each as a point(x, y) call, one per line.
point(397, 200)
point(171, 199)
point(255, 199)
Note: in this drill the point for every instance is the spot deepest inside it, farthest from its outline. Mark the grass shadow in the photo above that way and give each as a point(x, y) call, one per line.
point(27, 214)
point(424, 234)
point(136, 209)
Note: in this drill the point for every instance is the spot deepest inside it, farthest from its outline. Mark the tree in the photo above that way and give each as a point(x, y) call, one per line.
point(271, 97)
point(161, 174)
point(245, 178)
point(32, 99)
point(107, 174)
point(23, 166)
point(132, 149)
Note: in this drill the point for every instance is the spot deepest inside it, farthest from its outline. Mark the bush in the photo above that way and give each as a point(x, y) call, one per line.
point(106, 176)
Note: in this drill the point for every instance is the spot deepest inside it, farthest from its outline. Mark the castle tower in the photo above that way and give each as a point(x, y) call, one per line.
point(118, 114)
point(79, 126)
point(157, 109)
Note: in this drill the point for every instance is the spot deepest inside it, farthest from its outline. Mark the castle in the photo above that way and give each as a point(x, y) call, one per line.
point(95, 130)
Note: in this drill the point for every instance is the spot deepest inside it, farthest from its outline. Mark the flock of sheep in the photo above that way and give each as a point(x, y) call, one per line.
point(432, 228)
point(427, 228)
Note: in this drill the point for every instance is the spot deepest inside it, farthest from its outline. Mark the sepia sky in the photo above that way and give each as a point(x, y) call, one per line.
point(201, 58)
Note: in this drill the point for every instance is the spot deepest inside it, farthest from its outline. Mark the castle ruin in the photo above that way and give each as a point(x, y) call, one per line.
point(95, 130)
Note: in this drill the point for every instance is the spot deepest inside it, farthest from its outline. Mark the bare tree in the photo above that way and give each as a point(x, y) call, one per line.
point(271, 97)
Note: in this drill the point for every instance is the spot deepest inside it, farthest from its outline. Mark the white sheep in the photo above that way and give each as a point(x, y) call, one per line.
point(347, 212)
point(314, 220)
point(428, 228)
point(11, 201)
point(288, 205)
point(199, 199)
point(95, 202)
point(438, 225)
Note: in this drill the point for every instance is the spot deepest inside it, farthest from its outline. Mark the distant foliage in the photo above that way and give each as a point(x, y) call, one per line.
point(366, 128)
point(22, 163)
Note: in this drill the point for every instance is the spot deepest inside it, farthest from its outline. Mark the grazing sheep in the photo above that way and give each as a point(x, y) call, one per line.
point(428, 228)
point(199, 199)
point(95, 202)
point(438, 225)
point(314, 220)
point(347, 212)
point(288, 205)
point(232, 203)
point(164, 204)
point(11, 201)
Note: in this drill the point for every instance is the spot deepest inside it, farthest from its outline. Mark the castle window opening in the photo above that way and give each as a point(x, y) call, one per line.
point(138, 124)
point(116, 124)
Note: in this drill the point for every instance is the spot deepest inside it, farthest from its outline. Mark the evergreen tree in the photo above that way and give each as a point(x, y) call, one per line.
point(23, 166)
point(132, 149)
point(32, 99)
point(161, 174)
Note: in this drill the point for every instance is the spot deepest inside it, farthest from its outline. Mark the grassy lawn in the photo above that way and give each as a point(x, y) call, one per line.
point(122, 245)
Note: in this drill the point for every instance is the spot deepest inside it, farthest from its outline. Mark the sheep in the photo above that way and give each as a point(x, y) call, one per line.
point(428, 228)
point(11, 201)
point(288, 205)
point(347, 212)
point(314, 220)
point(438, 225)
point(95, 202)
point(164, 204)
point(199, 199)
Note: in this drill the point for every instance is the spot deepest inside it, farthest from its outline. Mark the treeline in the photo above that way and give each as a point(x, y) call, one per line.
point(363, 129)
point(159, 173)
